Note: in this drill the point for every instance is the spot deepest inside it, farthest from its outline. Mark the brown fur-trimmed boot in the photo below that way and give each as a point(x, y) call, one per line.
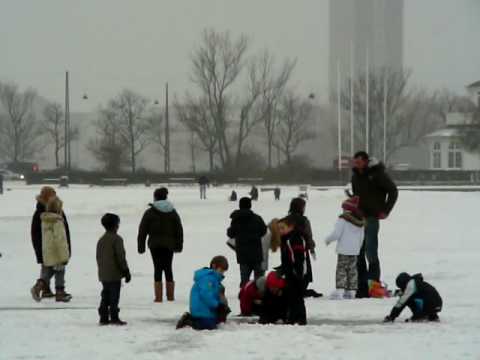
point(37, 290)
point(47, 292)
point(171, 291)
point(158, 287)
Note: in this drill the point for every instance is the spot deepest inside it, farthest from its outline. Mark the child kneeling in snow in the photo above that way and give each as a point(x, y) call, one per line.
point(112, 267)
point(348, 234)
point(257, 297)
point(208, 304)
point(422, 298)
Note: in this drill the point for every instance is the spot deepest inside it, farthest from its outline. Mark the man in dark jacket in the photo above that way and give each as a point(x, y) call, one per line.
point(422, 298)
point(378, 195)
point(162, 224)
point(247, 228)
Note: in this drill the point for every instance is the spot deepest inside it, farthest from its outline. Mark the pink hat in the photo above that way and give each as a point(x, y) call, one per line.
point(352, 205)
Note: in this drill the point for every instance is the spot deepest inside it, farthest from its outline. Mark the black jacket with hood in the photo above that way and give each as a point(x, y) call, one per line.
point(247, 228)
point(163, 227)
point(378, 193)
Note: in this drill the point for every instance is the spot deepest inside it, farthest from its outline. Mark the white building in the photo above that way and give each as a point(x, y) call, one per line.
point(446, 152)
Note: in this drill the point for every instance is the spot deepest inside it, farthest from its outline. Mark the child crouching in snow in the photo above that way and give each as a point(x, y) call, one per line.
point(112, 267)
point(349, 234)
point(422, 298)
point(208, 304)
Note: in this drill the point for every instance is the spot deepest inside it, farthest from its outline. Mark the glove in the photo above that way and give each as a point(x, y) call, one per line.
point(313, 254)
point(141, 250)
point(128, 277)
point(388, 319)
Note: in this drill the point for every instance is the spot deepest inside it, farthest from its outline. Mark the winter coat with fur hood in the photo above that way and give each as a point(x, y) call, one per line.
point(37, 236)
point(55, 249)
point(163, 227)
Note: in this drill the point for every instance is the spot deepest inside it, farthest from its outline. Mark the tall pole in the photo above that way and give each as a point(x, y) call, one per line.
point(339, 114)
point(385, 110)
point(367, 106)
point(67, 125)
point(352, 103)
point(167, 133)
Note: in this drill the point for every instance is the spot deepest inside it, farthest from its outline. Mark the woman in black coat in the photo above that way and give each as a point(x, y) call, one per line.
point(297, 207)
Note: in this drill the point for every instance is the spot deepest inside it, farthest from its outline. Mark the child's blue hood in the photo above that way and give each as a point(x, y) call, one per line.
point(200, 274)
point(164, 206)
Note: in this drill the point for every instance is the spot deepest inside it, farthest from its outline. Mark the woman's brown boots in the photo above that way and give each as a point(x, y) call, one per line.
point(158, 286)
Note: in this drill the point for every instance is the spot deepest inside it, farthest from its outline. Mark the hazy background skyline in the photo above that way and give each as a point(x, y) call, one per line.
point(109, 45)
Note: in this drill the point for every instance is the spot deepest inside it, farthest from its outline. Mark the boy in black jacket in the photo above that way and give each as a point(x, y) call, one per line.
point(422, 298)
point(112, 267)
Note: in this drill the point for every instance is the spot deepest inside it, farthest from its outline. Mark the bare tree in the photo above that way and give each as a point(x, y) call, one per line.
point(20, 134)
point(195, 116)
point(155, 123)
point(216, 65)
point(251, 114)
point(108, 147)
point(411, 113)
point(273, 85)
point(130, 110)
point(294, 124)
point(53, 125)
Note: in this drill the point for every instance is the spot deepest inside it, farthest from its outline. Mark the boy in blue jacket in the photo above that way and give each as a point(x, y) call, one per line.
point(208, 305)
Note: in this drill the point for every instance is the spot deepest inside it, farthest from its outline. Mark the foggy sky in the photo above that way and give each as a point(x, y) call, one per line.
point(108, 45)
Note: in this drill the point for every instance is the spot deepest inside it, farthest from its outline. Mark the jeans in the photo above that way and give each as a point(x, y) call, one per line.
point(247, 269)
point(204, 324)
point(369, 251)
point(162, 263)
point(110, 299)
point(47, 272)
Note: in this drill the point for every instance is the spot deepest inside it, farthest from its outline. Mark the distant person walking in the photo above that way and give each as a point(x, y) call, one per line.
point(163, 227)
point(203, 182)
point(247, 228)
point(276, 193)
point(1, 184)
point(378, 195)
point(254, 193)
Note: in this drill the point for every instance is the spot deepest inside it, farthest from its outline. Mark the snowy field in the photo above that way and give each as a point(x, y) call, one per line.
point(437, 234)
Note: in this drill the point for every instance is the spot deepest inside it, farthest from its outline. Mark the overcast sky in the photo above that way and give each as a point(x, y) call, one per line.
point(111, 44)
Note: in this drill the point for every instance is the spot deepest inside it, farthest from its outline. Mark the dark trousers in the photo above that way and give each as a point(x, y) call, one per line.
point(369, 252)
point(247, 269)
point(422, 309)
point(297, 312)
point(110, 299)
point(162, 263)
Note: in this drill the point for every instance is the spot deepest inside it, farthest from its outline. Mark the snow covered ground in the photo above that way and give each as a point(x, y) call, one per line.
point(437, 234)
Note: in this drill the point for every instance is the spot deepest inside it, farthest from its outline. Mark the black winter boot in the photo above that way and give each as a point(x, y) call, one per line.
point(115, 320)
point(104, 317)
point(185, 321)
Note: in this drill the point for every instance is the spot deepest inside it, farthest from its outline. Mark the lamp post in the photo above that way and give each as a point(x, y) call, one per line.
point(167, 132)
point(68, 132)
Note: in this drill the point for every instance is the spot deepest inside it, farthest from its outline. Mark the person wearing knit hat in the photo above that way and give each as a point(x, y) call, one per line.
point(41, 289)
point(348, 233)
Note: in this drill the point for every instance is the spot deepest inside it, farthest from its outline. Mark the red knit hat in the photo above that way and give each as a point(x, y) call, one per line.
point(275, 281)
point(351, 205)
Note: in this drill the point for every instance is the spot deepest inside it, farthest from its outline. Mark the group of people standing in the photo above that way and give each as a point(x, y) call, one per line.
point(274, 296)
